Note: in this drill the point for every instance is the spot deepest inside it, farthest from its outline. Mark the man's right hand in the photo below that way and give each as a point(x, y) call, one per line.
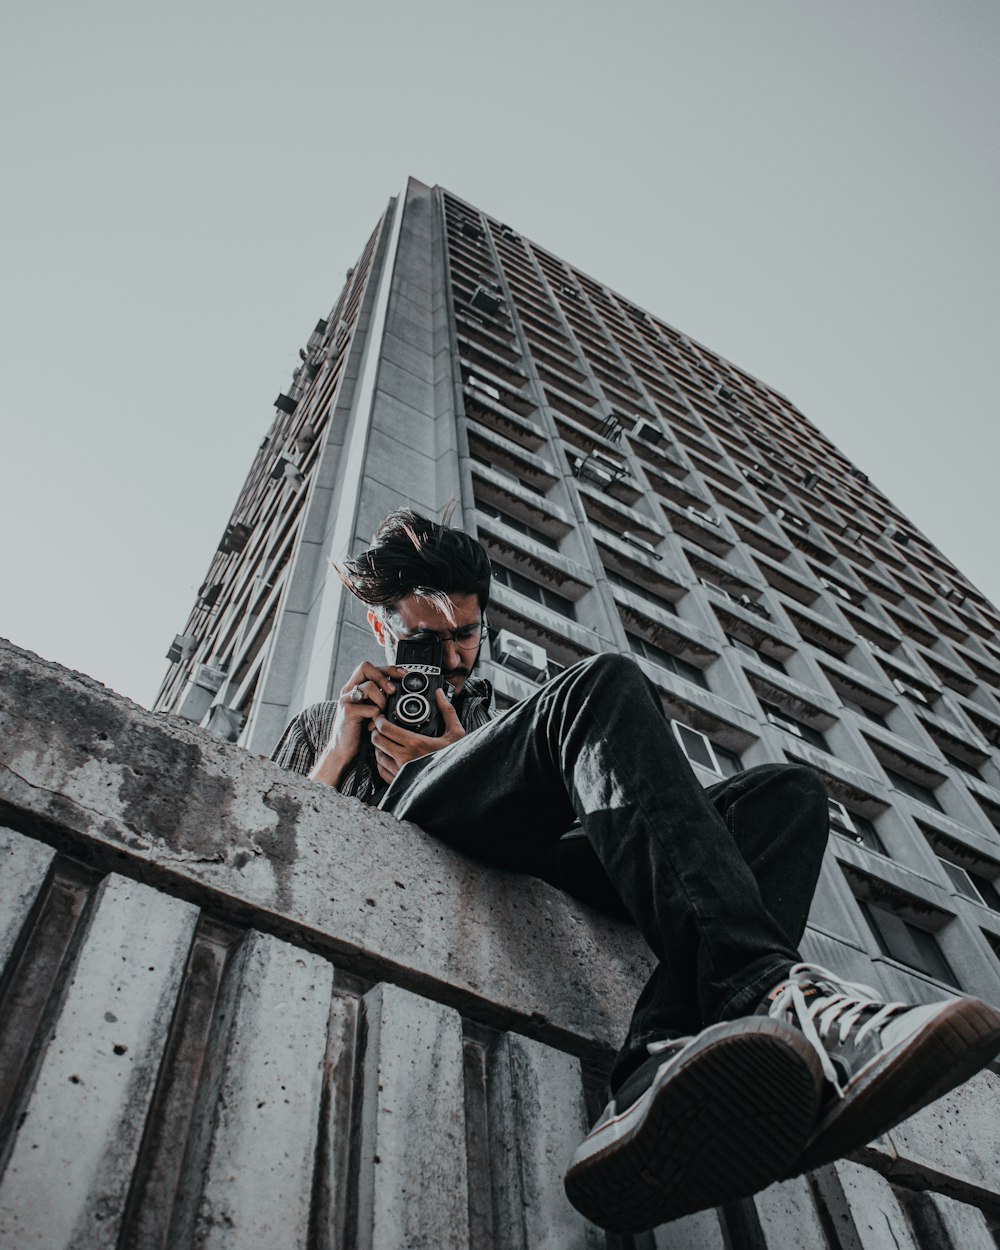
point(353, 717)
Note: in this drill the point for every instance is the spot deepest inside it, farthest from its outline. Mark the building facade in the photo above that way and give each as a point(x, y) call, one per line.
point(639, 494)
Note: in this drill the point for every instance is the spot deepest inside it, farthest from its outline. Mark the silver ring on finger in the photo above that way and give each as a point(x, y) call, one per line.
point(356, 695)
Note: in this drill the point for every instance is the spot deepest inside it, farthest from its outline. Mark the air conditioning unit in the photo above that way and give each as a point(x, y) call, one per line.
point(471, 229)
point(208, 595)
point(524, 657)
point(235, 538)
point(182, 648)
point(648, 432)
point(225, 723)
point(201, 691)
point(484, 300)
point(285, 471)
point(285, 403)
point(724, 393)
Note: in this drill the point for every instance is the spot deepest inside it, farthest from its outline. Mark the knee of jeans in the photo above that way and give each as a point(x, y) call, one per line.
point(613, 667)
point(808, 788)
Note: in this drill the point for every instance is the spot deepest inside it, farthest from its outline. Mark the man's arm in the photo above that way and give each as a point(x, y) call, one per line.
point(352, 718)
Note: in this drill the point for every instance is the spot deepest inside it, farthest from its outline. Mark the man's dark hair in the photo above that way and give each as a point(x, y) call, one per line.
point(410, 554)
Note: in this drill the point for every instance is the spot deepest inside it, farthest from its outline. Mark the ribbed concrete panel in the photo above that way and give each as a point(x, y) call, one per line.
point(952, 1225)
point(420, 1116)
point(537, 1120)
point(69, 1172)
point(863, 1208)
point(701, 1231)
point(23, 866)
point(790, 1208)
point(260, 1167)
point(957, 1137)
point(412, 1187)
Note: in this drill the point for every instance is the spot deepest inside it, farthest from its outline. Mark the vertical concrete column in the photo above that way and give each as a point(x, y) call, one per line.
point(862, 1202)
point(701, 1231)
point(946, 1223)
point(69, 1172)
point(258, 1178)
point(537, 1119)
point(24, 864)
point(788, 1215)
point(413, 1176)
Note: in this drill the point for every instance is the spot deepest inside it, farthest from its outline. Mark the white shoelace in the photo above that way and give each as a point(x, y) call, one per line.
point(843, 1006)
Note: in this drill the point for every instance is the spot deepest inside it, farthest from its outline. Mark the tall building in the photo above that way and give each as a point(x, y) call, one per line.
point(639, 494)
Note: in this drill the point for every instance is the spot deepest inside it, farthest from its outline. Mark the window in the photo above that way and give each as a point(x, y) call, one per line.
point(541, 594)
point(644, 592)
point(516, 523)
point(916, 791)
point(499, 468)
point(784, 720)
point(857, 828)
point(690, 672)
point(851, 705)
point(972, 885)
point(746, 648)
point(903, 941)
point(702, 751)
point(959, 763)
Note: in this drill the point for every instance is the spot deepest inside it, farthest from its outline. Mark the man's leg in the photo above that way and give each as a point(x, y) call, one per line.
point(718, 1116)
point(594, 744)
point(778, 818)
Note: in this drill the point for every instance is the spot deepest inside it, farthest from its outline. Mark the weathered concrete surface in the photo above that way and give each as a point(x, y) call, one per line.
point(72, 1160)
point(537, 1120)
point(953, 1145)
point(945, 1224)
point(702, 1231)
point(863, 1209)
point(787, 1206)
point(258, 1177)
point(413, 1175)
point(23, 866)
point(155, 798)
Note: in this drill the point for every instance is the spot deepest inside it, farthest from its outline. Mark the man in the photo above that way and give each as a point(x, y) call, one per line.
point(742, 1065)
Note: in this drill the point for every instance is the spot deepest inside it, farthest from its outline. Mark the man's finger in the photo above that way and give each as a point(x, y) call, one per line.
point(447, 709)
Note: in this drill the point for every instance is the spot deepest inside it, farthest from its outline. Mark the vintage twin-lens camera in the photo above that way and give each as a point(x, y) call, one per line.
point(413, 705)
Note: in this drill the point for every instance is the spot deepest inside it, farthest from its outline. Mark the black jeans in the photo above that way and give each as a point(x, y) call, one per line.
point(718, 881)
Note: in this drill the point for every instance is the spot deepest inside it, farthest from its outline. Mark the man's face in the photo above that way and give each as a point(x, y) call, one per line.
point(414, 615)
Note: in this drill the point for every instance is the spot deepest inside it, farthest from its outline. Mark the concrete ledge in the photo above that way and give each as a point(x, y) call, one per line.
point(150, 797)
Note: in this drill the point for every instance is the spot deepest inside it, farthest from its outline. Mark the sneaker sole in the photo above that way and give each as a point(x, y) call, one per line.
point(947, 1050)
point(721, 1121)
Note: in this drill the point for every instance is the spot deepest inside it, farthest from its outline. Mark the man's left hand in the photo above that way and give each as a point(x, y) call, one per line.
point(396, 746)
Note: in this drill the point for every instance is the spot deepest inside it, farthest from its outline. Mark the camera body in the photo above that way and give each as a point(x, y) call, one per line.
point(413, 705)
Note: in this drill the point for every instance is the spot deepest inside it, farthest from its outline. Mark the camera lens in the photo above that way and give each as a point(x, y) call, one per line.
point(414, 683)
point(413, 709)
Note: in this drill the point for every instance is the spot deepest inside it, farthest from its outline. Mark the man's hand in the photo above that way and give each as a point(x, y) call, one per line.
point(353, 717)
point(395, 746)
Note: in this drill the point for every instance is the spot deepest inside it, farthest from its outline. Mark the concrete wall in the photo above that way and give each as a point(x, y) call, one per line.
point(239, 1010)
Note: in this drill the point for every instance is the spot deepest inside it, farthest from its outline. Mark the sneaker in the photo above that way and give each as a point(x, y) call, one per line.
point(882, 1061)
point(705, 1120)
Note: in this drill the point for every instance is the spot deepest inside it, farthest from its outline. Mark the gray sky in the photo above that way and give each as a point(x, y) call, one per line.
point(810, 187)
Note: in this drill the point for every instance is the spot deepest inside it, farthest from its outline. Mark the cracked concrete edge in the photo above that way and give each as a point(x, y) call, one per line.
point(152, 797)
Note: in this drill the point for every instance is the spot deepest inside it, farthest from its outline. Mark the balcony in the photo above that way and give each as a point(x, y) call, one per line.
point(490, 412)
point(533, 559)
point(562, 637)
point(504, 453)
point(617, 516)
